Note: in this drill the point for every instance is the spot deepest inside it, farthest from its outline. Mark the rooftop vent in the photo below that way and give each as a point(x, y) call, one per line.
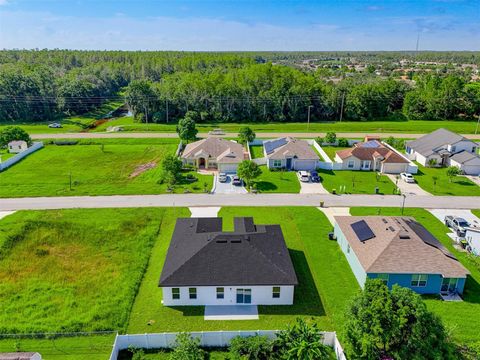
point(404, 235)
point(391, 228)
point(385, 221)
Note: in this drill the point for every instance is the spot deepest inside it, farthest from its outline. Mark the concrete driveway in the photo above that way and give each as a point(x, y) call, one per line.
point(475, 179)
point(408, 188)
point(311, 187)
point(227, 187)
point(466, 214)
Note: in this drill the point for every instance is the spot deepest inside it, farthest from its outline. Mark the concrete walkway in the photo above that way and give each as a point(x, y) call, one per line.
point(204, 212)
point(475, 179)
point(219, 200)
point(331, 212)
point(231, 312)
point(5, 213)
point(408, 188)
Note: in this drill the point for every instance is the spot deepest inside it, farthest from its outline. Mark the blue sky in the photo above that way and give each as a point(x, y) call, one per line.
point(240, 24)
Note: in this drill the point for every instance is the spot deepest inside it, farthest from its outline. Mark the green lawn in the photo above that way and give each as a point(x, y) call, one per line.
point(73, 270)
point(331, 151)
point(459, 186)
point(4, 155)
point(326, 282)
point(277, 181)
point(256, 151)
point(95, 169)
point(460, 317)
point(356, 182)
point(64, 348)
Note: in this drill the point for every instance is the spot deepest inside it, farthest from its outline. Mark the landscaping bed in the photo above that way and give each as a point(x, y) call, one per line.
point(461, 318)
point(457, 186)
point(356, 182)
point(97, 167)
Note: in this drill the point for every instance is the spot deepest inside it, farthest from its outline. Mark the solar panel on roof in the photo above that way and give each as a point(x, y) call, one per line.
point(371, 144)
point(271, 145)
point(362, 230)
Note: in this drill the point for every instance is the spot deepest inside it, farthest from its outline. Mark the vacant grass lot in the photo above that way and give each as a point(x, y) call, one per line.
point(326, 282)
point(460, 317)
point(73, 270)
point(64, 348)
point(459, 186)
point(417, 126)
point(356, 182)
point(256, 151)
point(277, 181)
point(332, 150)
point(100, 168)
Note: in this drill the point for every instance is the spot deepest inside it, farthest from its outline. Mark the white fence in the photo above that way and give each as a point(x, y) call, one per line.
point(207, 339)
point(14, 159)
point(179, 148)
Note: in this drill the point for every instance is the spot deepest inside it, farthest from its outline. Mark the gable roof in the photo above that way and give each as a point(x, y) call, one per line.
point(225, 151)
point(370, 150)
point(464, 157)
point(200, 254)
point(290, 147)
point(435, 141)
point(17, 143)
point(400, 245)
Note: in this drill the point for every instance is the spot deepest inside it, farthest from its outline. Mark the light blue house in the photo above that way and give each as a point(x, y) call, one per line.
point(399, 250)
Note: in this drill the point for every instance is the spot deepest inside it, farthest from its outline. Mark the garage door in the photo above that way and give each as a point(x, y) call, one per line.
point(471, 170)
point(306, 165)
point(228, 168)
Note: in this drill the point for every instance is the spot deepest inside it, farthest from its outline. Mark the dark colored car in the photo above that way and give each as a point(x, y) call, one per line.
point(237, 181)
point(314, 176)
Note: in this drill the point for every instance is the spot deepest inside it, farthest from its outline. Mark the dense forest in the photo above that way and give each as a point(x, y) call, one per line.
point(43, 85)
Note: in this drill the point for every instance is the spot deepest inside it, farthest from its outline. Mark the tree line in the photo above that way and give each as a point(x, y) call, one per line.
point(218, 87)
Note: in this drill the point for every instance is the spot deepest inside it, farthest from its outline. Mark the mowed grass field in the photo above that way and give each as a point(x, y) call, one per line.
point(277, 181)
point(461, 318)
point(356, 182)
point(73, 270)
point(457, 186)
point(326, 281)
point(100, 167)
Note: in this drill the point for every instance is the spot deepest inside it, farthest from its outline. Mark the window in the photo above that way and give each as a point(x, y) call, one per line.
point(474, 150)
point(192, 292)
point(419, 280)
point(351, 164)
point(366, 164)
point(277, 163)
point(175, 293)
point(383, 277)
point(453, 148)
point(276, 292)
point(220, 293)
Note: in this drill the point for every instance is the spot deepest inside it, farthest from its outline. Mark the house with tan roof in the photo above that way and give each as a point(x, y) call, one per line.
point(214, 154)
point(399, 250)
point(290, 153)
point(372, 155)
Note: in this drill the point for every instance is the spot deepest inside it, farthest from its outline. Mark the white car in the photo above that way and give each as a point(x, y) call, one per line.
point(408, 178)
point(303, 176)
point(55, 126)
point(222, 177)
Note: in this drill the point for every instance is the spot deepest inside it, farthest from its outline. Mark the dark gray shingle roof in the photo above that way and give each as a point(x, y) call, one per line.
point(428, 144)
point(250, 255)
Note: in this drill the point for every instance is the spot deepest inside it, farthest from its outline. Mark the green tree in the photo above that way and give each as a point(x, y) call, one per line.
point(301, 341)
point(186, 128)
point(452, 171)
point(248, 171)
point(251, 348)
point(396, 323)
point(343, 142)
point(142, 100)
point(246, 135)
point(12, 133)
point(172, 166)
point(187, 348)
point(330, 138)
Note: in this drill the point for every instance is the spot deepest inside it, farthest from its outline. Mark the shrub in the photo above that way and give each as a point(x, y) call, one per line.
point(319, 140)
point(13, 133)
point(343, 142)
point(331, 138)
point(187, 348)
point(251, 348)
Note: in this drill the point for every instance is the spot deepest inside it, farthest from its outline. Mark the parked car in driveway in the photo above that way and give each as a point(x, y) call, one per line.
point(408, 178)
point(237, 181)
point(222, 177)
point(314, 176)
point(303, 176)
point(458, 224)
point(55, 125)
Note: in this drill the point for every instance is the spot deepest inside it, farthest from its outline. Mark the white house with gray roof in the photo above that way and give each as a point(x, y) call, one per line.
point(290, 154)
point(445, 148)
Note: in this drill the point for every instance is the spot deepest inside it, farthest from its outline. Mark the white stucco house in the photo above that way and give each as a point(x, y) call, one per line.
point(376, 156)
point(17, 146)
point(472, 235)
point(445, 148)
point(205, 266)
point(290, 154)
point(214, 154)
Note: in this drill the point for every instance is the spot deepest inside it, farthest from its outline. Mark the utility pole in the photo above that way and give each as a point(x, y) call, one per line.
point(308, 117)
point(403, 203)
point(341, 106)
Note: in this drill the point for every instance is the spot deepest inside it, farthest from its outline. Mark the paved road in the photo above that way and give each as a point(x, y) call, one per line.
point(104, 135)
point(187, 200)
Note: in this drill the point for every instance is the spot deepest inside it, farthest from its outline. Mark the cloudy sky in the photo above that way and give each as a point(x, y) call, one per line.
point(227, 25)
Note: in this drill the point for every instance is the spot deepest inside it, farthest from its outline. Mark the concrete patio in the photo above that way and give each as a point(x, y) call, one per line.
point(231, 312)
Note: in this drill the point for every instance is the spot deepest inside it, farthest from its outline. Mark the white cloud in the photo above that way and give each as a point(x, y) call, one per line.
point(3, 2)
point(45, 30)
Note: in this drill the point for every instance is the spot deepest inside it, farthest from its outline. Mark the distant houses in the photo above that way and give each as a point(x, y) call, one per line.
point(17, 146)
point(398, 250)
point(206, 266)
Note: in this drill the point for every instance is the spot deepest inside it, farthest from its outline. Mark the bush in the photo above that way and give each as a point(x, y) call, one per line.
point(319, 140)
point(331, 138)
point(343, 142)
point(251, 348)
point(13, 133)
point(187, 348)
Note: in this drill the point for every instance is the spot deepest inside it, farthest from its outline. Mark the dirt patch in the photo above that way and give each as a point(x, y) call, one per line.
point(142, 168)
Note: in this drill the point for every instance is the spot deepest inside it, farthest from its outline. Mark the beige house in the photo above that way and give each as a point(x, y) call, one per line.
point(215, 154)
point(290, 153)
point(17, 146)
